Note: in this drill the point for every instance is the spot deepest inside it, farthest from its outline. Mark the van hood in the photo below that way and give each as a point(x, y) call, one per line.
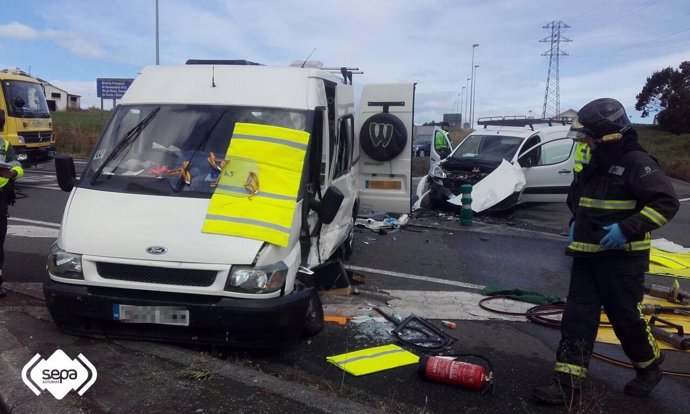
point(121, 225)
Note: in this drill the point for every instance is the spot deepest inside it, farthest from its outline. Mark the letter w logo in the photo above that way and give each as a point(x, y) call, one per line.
point(380, 134)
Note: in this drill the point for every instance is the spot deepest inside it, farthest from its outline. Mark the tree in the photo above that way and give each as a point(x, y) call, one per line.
point(667, 93)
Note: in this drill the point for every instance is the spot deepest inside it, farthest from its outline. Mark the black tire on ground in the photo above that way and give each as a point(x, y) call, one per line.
point(313, 319)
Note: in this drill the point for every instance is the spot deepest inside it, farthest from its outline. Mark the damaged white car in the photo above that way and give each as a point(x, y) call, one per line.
point(508, 161)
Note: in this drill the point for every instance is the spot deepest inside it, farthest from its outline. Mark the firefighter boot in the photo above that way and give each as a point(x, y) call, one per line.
point(557, 393)
point(645, 379)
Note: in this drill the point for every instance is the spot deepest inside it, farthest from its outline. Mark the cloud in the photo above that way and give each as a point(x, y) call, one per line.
point(18, 31)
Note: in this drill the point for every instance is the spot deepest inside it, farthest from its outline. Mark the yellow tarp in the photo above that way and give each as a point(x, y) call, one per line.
point(367, 361)
point(607, 336)
point(669, 264)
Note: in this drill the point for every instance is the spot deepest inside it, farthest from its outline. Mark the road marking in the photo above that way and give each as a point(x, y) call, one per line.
point(32, 231)
point(683, 199)
point(44, 223)
point(414, 277)
point(456, 305)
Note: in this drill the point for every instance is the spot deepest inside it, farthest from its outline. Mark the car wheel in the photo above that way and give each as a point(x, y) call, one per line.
point(313, 319)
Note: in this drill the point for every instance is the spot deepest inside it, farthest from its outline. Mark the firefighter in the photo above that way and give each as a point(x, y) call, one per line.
point(616, 200)
point(10, 170)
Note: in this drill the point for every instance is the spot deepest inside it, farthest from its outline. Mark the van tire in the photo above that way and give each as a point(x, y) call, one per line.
point(313, 319)
point(383, 151)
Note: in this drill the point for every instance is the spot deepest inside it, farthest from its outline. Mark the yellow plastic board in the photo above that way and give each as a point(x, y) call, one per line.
point(376, 359)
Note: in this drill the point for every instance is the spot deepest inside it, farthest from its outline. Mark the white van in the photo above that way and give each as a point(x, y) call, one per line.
point(214, 191)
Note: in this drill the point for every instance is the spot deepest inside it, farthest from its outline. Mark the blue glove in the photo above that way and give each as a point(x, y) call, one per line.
point(615, 239)
point(571, 232)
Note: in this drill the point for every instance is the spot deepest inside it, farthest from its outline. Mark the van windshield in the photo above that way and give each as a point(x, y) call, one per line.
point(487, 148)
point(173, 143)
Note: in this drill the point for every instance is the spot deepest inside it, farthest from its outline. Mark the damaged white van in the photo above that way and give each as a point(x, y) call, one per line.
point(214, 191)
point(508, 161)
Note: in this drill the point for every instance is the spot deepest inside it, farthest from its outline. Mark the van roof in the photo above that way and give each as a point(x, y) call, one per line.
point(247, 85)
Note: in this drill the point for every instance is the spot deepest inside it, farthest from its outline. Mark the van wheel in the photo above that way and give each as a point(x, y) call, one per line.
point(313, 320)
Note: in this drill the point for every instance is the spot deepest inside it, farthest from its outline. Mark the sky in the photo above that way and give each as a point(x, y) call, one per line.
point(609, 48)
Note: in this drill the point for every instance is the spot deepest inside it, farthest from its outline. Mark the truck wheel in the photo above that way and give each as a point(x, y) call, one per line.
point(313, 319)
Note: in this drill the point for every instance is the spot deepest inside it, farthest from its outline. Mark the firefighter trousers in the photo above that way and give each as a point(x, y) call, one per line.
point(617, 284)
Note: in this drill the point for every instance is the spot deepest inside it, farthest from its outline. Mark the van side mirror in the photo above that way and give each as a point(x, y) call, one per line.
point(329, 205)
point(65, 172)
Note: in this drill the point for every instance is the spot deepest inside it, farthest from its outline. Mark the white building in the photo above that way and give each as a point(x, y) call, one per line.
point(59, 99)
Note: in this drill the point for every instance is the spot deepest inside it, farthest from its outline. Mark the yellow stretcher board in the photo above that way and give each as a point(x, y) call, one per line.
point(370, 360)
point(607, 336)
point(669, 264)
point(257, 190)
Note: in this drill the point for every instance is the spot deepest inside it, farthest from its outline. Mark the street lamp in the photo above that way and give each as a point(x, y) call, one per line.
point(157, 59)
point(462, 93)
point(474, 90)
point(472, 84)
point(467, 96)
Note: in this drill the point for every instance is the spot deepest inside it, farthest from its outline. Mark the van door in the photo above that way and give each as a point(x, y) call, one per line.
point(384, 135)
point(550, 175)
point(441, 146)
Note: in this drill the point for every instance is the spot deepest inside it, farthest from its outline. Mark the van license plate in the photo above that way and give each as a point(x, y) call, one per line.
point(164, 315)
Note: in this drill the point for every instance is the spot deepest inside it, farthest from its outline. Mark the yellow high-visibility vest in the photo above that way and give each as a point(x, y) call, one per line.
point(379, 358)
point(582, 156)
point(258, 187)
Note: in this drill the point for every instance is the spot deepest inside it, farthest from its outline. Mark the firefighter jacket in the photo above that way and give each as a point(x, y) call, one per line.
point(622, 184)
point(7, 156)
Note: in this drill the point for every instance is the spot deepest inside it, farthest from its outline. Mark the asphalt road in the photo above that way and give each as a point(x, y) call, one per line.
point(430, 259)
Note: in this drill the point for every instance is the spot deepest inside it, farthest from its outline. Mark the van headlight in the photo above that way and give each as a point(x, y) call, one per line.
point(63, 264)
point(436, 171)
point(251, 279)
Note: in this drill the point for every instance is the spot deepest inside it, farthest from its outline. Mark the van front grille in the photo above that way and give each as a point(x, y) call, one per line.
point(158, 275)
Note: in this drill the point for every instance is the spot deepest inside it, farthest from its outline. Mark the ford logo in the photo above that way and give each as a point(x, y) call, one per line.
point(156, 250)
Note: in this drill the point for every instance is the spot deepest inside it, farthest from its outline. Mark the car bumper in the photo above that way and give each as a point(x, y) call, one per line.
point(28, 156)
point(439, 196)
point(264, 323)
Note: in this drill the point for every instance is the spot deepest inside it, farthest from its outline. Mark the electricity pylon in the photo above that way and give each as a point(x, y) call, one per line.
point(552, 98)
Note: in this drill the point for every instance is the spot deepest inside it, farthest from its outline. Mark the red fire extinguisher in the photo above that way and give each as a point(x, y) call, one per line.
point(450, 370)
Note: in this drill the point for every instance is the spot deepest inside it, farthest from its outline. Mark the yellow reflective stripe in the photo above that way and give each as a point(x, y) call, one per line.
point(607, 204)
point(269, 133)
point(570, 369)
point(654, 216)
point(650, 339)
point(595, 247)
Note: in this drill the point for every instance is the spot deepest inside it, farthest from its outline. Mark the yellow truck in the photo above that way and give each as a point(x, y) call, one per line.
point(28, 126)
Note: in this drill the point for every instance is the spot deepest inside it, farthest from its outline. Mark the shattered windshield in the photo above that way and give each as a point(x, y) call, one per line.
point(487, 148)
point(173, 149)
point(25, 99)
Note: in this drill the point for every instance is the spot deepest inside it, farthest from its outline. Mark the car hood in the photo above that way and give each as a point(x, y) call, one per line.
point(121, 225)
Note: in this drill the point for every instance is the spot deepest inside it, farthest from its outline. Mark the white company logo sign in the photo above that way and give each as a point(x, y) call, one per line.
point(59, 374)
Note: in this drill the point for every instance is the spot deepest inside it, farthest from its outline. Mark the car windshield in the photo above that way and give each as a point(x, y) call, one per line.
point(487, 148)
point(151, 149)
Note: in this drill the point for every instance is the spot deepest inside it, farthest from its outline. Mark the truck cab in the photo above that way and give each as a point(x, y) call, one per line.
point(28, 125)
point(212, 195)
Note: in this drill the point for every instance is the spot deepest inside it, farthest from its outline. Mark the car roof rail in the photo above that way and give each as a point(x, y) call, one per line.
point(522, 121)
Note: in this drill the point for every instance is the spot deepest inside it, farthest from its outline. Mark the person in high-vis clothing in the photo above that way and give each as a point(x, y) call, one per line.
point(10, 170)
point(616, 200)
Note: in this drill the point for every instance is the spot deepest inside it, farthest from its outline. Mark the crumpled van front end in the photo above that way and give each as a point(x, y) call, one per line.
point(166, 280)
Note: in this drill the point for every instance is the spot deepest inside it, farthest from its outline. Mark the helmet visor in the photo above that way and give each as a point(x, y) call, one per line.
point(578, 132)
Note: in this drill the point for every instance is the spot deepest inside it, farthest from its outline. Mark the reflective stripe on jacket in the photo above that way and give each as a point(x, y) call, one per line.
point(634, 193)
point(258, 187)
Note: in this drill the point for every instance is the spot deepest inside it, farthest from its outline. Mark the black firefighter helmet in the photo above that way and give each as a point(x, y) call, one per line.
point(603, 119)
